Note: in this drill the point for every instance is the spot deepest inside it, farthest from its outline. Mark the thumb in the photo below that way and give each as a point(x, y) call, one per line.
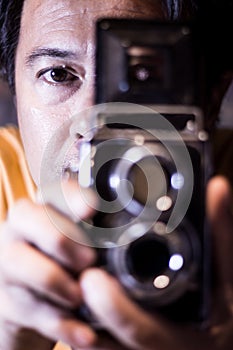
point(69, 198)
point(132, 327)
point(219, 213)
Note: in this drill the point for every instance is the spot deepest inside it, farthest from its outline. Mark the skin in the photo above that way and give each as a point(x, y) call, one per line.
point(36, 308)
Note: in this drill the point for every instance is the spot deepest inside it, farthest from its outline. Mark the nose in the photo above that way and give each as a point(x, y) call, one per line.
point(86, 98)
point(81, 122)
point(89, 79)
point(89, 92)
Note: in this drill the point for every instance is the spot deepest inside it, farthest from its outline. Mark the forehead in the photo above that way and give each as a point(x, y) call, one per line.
point(46, 15)
point(86, 6)
point(70, 23)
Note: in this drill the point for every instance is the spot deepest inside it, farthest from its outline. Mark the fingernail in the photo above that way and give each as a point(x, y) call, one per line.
point(84, 205)
point(88, 198)
point(85, 337)
point(86, 257)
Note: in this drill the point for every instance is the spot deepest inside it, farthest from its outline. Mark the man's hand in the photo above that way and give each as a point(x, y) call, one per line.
point(39, 269)
point(39, 291)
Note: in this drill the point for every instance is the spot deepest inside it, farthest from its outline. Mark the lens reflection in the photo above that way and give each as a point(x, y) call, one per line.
point(147, 258)
point(148, 174)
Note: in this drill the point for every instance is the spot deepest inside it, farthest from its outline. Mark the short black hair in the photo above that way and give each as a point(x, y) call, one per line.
point(10, 18)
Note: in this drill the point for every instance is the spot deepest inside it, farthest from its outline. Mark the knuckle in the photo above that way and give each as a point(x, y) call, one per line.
point(6, 247)
point(19, 210)
point(10, 258)
point(59, 243)
point(5, 259)
point(50, 279)
point(59, 287)
point(6, 255)
point(4, 233)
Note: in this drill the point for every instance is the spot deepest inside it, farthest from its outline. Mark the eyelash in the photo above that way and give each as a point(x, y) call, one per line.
point(70, 76)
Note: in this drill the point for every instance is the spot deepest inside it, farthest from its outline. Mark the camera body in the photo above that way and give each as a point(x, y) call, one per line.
point(147, 159)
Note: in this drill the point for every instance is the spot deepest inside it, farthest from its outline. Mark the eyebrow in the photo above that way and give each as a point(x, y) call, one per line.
point(48, 52)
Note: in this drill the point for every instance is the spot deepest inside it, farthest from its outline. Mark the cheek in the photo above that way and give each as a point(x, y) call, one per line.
point(44, 127)
point(39, 127)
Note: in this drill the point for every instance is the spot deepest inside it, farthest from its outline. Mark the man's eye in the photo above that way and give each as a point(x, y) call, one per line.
point(58, 75)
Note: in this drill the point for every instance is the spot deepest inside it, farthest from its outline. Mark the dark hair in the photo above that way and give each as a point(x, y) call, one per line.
point(10, 17)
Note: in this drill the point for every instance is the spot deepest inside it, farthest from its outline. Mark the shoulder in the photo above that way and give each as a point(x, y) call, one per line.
point(15, 178)
point(10, 139)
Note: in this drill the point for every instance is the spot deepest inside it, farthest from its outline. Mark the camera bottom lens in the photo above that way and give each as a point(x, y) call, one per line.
point(147, 258)
point(157, 267)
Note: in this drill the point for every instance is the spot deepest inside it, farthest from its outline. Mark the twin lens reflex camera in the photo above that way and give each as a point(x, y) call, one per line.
point(147, 159)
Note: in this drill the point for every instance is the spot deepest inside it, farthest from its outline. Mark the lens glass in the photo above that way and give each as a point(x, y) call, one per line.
point(149, 181)
point(147, 258)
point(103, 174)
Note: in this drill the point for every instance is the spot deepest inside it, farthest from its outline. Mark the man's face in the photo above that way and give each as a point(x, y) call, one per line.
point(55, 64)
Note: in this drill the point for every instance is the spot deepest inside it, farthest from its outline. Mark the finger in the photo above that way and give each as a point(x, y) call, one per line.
point(105, 342)
point(69, 198)
point(29, 222)
point(110, 306)
point(23, 265)
point(46, 319)
point(219, 199)
point(131, 326)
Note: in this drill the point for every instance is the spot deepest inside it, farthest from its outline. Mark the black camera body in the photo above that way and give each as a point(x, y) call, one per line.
point(148, 160)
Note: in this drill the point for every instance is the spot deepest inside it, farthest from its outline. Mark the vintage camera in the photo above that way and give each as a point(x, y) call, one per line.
point(147, 158)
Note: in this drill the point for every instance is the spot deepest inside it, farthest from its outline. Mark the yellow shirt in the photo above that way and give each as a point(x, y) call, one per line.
point(15, 179)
